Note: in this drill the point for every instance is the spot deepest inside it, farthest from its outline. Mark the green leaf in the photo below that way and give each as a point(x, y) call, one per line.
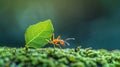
point(37, 34)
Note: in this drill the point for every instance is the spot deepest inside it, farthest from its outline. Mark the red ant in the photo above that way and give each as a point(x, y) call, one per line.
point(58, 41)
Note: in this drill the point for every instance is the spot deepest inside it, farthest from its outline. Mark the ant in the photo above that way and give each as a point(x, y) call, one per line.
point(58, 41)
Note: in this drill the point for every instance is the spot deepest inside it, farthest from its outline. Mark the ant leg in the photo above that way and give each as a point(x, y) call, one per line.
point(54, 46)
point(47, 40)
point(60, 47)
point(52, 38)
point(59, 37)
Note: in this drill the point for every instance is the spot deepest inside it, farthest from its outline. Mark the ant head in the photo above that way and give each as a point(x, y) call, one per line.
point(62, 42)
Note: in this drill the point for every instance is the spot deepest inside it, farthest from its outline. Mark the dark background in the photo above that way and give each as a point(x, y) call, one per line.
point(94, 23)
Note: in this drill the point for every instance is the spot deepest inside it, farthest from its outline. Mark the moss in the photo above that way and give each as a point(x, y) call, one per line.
point(48, 57)
point(78, 64)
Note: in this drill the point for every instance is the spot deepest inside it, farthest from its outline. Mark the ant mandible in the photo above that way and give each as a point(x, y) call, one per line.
point(58, 41)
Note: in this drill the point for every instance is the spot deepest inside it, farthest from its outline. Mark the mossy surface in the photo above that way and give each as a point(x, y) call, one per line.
point(48, 57)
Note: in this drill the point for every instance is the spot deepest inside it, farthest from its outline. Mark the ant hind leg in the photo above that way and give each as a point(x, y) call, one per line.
point(54, 46)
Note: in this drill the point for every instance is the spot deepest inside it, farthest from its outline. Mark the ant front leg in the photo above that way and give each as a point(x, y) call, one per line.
point(59, 46)
point(47, 40)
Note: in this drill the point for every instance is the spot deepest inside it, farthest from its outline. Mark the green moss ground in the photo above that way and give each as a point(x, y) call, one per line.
point(48, 57)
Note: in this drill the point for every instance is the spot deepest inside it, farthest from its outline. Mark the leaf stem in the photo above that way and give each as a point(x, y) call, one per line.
point(26, 47)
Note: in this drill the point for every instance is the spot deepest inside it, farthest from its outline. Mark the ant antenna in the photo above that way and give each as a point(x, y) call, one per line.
point(69, 39)
point(67, 43)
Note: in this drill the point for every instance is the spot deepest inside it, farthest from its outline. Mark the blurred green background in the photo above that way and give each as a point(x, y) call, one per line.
point(93, 23)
